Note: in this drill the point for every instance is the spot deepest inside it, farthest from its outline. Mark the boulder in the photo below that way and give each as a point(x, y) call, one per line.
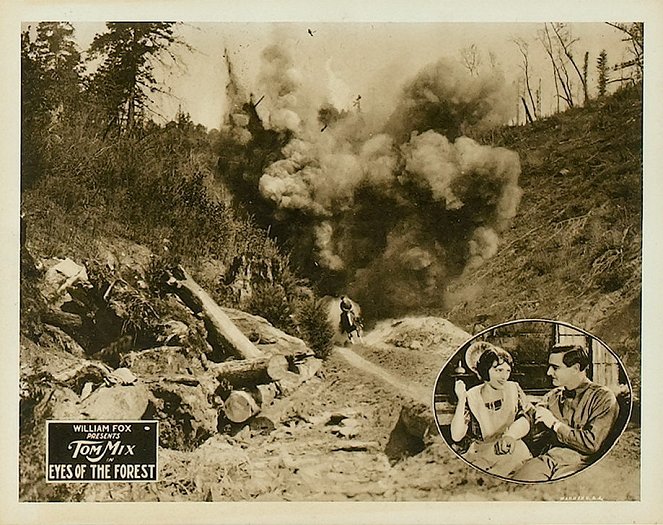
point(55, 337)
point(156, 363)
point(105, 403)
point(123, 376)
point(188, 413)
point(60, 403)
point(116, 402)
point(308, 367)
point(60, 275)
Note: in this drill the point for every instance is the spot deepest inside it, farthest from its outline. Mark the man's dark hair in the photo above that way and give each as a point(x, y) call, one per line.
point(572, 354)
point(489, 358)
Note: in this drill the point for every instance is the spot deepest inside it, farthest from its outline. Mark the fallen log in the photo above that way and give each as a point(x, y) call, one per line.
point(64, 320)
point(223, 335)
point(249, 372)
point(240, 406)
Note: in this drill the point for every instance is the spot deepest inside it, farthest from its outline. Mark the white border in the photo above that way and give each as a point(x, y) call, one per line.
point(648, 510)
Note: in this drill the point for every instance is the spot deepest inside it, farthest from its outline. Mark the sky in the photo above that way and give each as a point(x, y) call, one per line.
point(344, 60)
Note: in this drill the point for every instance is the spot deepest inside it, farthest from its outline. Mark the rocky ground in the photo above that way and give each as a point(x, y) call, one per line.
point(337, 438)
point(358, 428)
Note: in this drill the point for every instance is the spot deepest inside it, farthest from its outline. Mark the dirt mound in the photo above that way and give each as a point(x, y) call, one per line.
point(417, 333)
point(415, 347)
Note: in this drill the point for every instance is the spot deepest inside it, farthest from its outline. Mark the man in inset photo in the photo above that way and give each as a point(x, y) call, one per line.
point(579, 415)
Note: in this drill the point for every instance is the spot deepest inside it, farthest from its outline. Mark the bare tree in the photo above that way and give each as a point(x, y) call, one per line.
point(566, 41)
point(525, 67)
point(634, 36)
point(471, 58)
point(527, 112)
point(585, 72)
point(560, 73)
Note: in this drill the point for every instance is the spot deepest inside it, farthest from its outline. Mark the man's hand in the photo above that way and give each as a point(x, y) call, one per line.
point(504, 445)
point(545, 416)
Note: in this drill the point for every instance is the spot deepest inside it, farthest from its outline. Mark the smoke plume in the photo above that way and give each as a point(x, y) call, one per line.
point(388, 217)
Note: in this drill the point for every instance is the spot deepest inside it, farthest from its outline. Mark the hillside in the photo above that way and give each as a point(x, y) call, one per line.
point(573, 251)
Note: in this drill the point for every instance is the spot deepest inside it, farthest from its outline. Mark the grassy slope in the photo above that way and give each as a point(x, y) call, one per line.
point(573, 252)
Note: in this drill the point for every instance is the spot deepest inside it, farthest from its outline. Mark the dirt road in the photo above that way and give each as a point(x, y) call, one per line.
point(416, 392)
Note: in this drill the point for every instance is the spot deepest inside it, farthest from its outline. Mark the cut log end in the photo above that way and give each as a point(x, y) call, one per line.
point(277, 367)
point(240, 406)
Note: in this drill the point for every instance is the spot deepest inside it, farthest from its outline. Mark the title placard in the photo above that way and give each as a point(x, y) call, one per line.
point(89, 451)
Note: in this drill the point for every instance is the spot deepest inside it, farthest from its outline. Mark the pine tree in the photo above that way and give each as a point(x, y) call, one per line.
point(602, 68)
point(50, 88)
point(61, 63)
point(124, 80)
point(51, 68)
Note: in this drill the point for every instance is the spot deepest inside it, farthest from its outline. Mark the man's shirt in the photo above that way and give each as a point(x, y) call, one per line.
point(587, 414)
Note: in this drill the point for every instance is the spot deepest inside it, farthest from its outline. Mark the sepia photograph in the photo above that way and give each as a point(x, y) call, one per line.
point(321, 260)
point(535, 401)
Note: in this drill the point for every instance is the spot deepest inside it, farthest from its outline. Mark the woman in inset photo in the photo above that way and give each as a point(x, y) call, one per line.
point(491, 419)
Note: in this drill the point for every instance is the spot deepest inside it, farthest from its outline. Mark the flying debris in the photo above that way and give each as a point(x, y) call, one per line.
point(356, 103)
point(389, 214)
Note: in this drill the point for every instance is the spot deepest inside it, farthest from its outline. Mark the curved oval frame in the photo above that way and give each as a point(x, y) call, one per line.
point(464, 346)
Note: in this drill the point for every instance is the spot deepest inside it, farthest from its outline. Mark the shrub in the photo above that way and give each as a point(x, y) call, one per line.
point(314, 326)
point(270, 301)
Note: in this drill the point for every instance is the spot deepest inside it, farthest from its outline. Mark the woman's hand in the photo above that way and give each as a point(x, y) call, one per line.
point(460, 418)
point(460, 390)
point(504, 445)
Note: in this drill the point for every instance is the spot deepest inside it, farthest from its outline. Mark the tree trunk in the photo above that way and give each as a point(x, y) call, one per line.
point(64, 320)
point(248, 372)
point(223, 335)
point(527, 113)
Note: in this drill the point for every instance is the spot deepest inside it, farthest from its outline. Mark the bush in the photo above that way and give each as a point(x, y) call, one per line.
point(315, 327)
point(271, 302)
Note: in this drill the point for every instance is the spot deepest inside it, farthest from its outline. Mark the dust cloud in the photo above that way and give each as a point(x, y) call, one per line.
point(387, 214)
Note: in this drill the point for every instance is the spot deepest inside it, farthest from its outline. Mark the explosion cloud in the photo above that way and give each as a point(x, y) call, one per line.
point(389, 217)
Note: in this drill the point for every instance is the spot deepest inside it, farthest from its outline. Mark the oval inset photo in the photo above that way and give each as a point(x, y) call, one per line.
point(532, 400)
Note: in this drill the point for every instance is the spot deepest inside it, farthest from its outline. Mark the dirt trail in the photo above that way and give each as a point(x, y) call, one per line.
point(417, 393)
